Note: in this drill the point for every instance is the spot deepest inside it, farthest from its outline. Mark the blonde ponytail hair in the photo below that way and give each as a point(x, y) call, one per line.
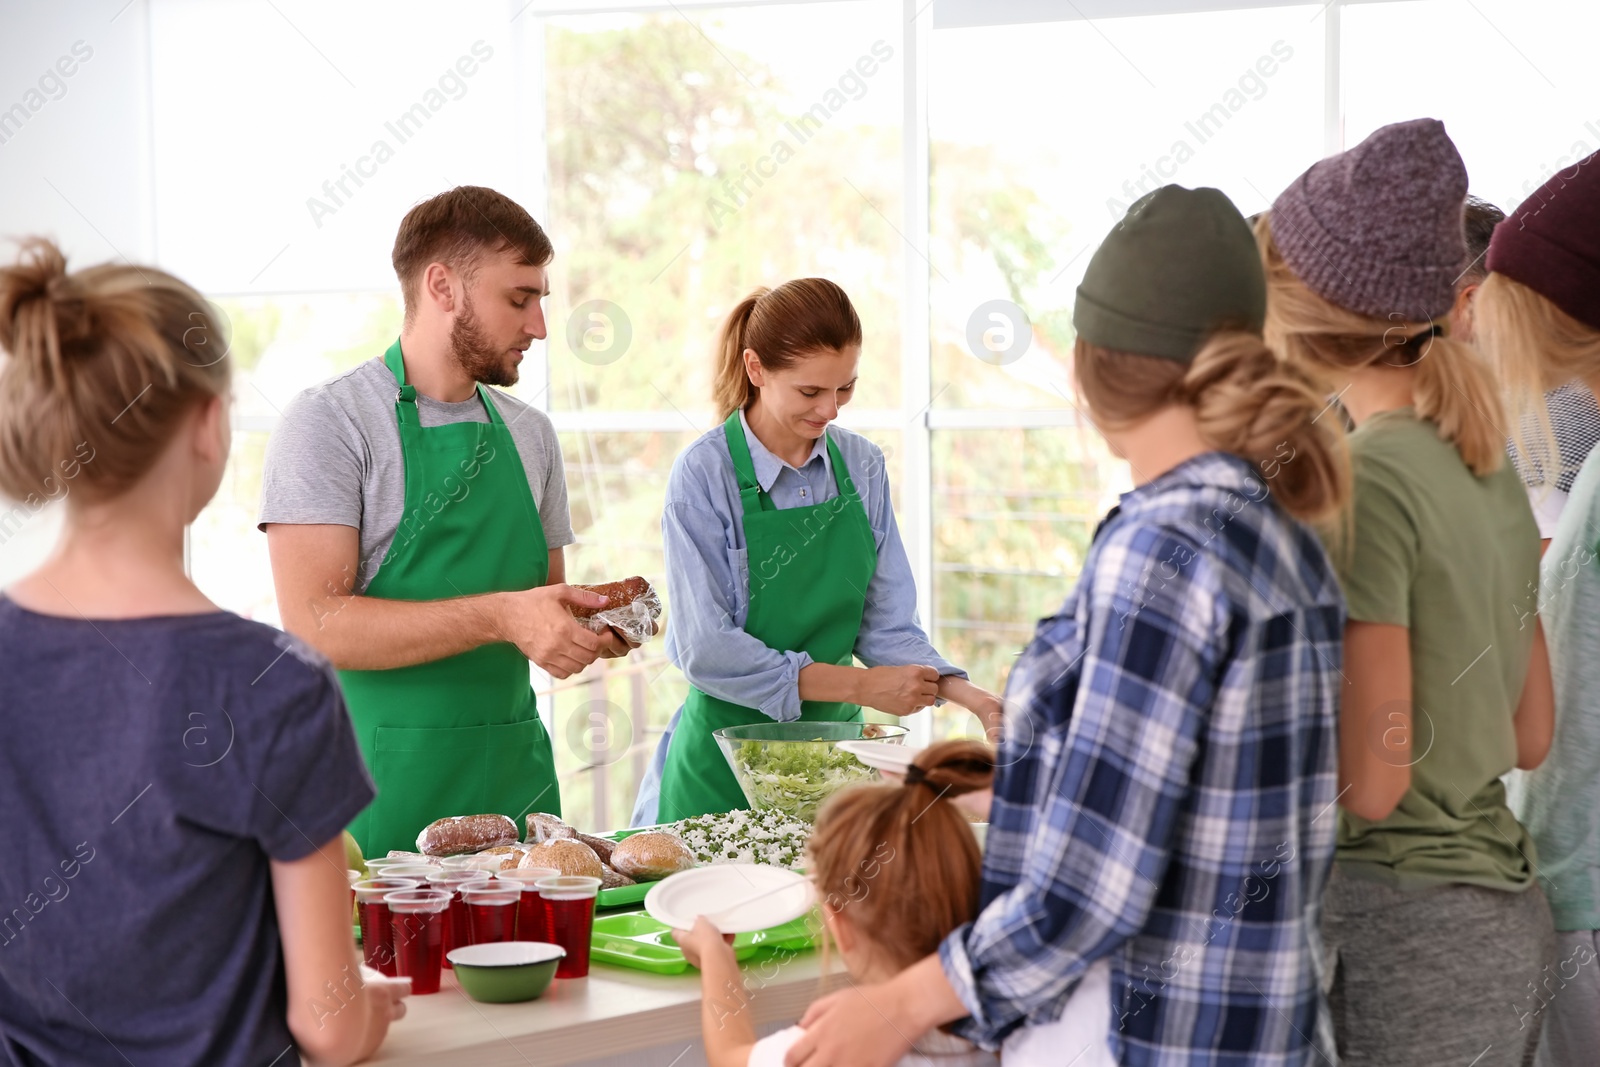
point(781, 325)
point(1452, 388)
point(103, 364)
point(1247, 402)
point(1534, 347)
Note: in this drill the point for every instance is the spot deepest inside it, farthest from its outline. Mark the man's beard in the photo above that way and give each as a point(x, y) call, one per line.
point(476, 353)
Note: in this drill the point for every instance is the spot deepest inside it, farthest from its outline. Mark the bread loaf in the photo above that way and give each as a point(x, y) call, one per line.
point(465, 833)
point(651, 855)
point(617, 594)
point(567, 855)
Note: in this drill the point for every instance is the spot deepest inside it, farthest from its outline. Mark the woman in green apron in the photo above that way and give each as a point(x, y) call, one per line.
point(784, 563)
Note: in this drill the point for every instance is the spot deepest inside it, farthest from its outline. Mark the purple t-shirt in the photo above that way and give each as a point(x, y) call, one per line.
point(149, 771)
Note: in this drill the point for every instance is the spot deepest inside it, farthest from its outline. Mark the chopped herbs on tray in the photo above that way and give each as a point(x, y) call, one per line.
point(744, 837)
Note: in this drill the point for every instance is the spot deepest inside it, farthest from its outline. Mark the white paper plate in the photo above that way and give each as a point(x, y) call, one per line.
point(883, 755)
point(738, 898)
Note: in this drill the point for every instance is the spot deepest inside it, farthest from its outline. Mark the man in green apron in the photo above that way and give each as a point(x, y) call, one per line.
point(416, 520)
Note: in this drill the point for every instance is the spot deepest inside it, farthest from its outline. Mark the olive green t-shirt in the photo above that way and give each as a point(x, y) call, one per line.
point(1454, 558)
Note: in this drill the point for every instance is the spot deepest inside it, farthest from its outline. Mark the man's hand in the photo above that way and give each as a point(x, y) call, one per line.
point(898, 690)
point(538, 623)
point(857, 1026)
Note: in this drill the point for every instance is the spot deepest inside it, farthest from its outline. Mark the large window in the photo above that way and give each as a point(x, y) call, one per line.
point(951, 163)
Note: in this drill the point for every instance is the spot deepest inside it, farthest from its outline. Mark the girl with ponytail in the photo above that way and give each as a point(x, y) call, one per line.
point(1446, 684)
point(784, 561)
point(1159, 835)
point(170, 766)
point(895, 867)
point(1537, 318)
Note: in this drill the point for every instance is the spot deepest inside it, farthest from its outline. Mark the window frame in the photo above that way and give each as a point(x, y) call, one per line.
point(916, 419)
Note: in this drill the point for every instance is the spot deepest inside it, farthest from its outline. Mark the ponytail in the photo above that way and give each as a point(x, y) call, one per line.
point(1247, 402)
point(731, 389)
point(878, 848)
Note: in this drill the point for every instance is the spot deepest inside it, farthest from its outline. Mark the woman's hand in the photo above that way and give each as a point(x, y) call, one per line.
point(874, 1025)
point(858, 1026)
point(982, 703)
point(898, 690)
point(704, 942)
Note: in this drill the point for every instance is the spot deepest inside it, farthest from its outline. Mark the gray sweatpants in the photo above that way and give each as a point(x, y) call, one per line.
point(1569, 1002)
point(1441, 977)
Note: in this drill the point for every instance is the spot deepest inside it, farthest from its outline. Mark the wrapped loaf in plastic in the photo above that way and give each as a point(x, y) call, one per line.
point(543, 827)
point(632, 607)
point(651, 855)
point(456, 834)
point(567, 855)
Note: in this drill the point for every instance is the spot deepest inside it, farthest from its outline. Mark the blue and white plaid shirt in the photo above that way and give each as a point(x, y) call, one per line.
point(1166, 789)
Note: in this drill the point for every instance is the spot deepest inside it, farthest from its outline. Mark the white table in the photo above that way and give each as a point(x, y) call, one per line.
point(615, 1016)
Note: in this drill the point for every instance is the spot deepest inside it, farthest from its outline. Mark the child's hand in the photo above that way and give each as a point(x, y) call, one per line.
point(701, 942)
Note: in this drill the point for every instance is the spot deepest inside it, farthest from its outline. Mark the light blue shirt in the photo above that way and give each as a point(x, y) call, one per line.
point(708, 579)
point(1559, 802)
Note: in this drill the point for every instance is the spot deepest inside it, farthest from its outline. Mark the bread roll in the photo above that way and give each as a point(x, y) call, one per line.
point(651, 855)
point(543, 827)
point(567, 855)
point(465, 833)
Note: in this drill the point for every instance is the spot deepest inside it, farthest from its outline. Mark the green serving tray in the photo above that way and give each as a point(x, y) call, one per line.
point(634, 939)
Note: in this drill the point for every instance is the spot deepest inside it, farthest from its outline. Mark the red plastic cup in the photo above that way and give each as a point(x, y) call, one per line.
point(354, 877)
point(419, 919)
point(491, 911)
point(569, 914)
point(377, 941)
point(455, 926)
point(531, 922)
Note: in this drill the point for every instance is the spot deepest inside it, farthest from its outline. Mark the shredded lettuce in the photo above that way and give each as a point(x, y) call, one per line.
point(794, 777)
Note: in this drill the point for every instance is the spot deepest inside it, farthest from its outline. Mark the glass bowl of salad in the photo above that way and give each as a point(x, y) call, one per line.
point(793, 767)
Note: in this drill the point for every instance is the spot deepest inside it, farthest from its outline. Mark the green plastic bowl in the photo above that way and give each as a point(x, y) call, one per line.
point(507, 971)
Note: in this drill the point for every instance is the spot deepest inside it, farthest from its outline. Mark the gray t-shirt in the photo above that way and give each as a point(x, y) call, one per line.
point(336, 460)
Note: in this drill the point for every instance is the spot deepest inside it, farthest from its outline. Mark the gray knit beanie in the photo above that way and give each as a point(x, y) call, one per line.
point(1181, 265)
point(1378, 229)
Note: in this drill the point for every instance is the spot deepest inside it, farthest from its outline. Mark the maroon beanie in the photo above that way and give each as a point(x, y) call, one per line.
point(1551, 243)
point(1377, 230)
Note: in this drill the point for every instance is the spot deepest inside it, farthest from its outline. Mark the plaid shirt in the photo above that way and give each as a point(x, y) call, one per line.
point(1166, 788)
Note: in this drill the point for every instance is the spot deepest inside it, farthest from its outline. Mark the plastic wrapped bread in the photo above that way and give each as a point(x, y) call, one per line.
point(632, 608)
point(456, 834)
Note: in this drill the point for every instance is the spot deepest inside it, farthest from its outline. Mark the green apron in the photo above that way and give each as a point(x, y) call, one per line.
point(460, 735)
point(809, 571)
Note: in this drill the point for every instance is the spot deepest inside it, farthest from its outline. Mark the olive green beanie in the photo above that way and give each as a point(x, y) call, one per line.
point(1179, 266)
